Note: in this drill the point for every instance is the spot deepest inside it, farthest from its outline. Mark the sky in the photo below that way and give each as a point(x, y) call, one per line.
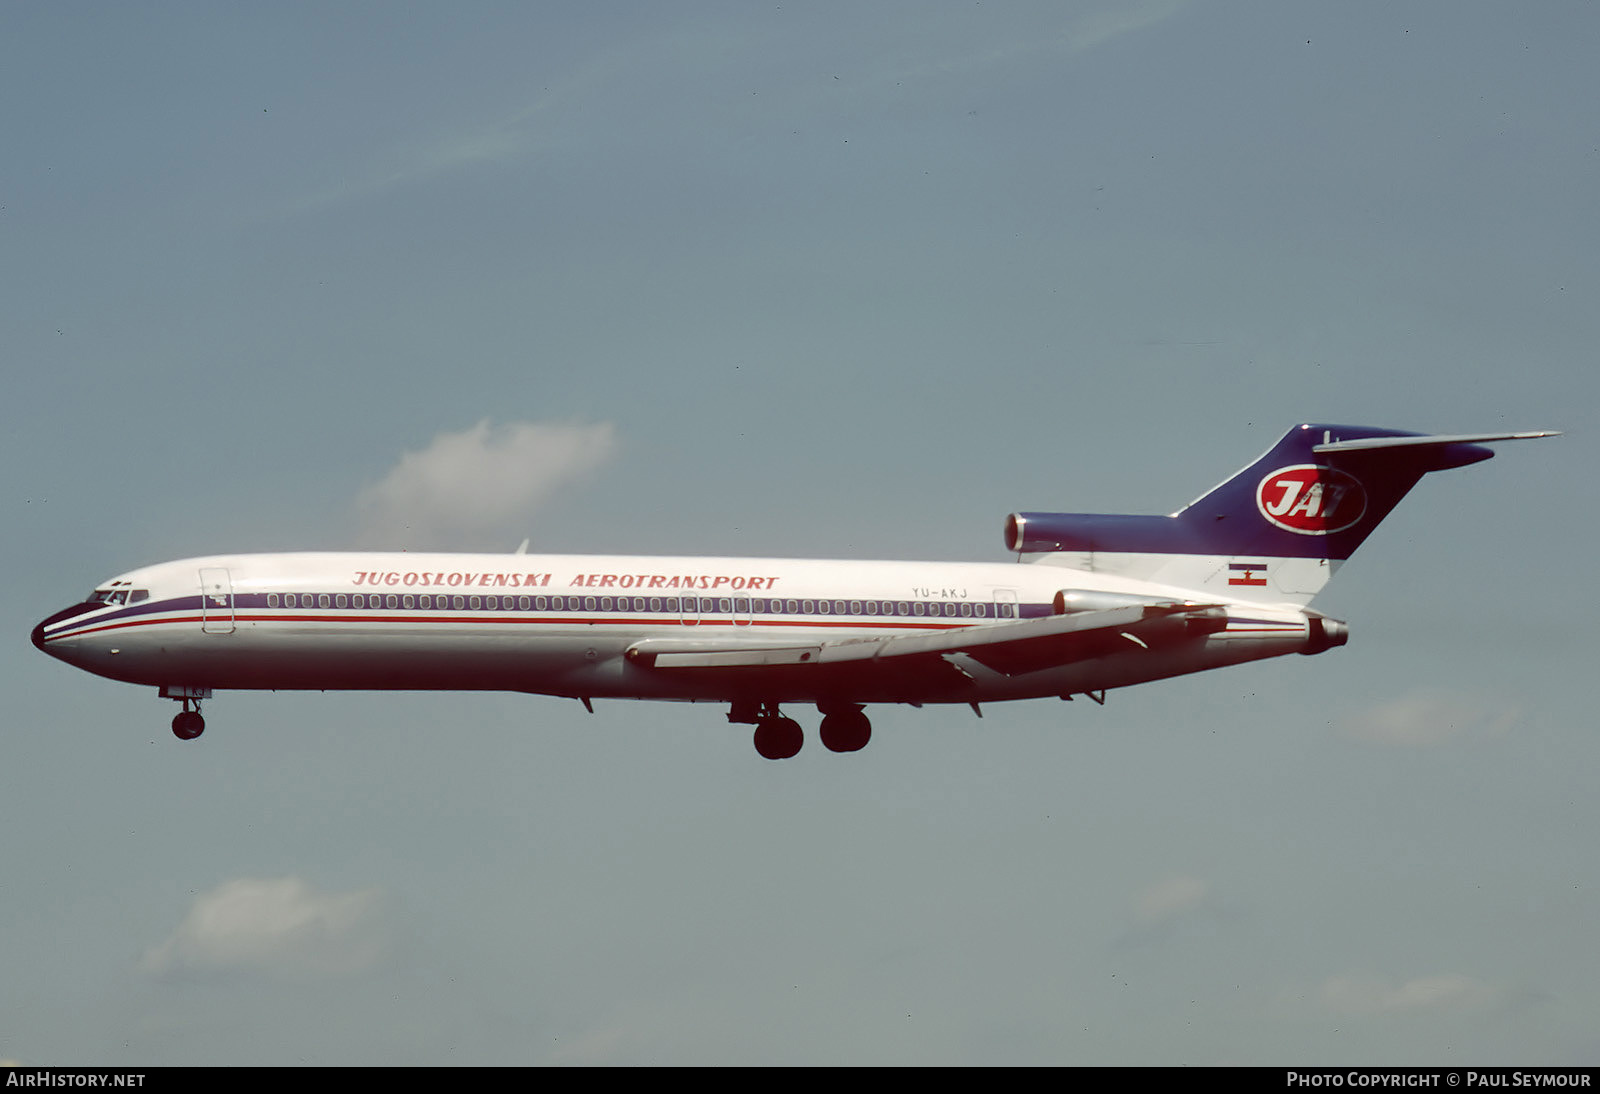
point(827, 280)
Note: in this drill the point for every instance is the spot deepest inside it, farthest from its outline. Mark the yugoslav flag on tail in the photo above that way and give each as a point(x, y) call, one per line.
point(1274, 532)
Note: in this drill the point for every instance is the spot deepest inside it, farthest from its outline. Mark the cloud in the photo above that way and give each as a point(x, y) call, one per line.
point(1068, 32)
point(1095, 28)
point(519, 132)
point(1364, 994)
point(1428, 716)
point(486, 145)
point(478, 487)
point(276, 926)
point(1168, 900)
point(1168, 909)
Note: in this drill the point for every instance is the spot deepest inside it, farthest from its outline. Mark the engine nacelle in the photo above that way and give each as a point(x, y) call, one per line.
point(1034, 532)
point(1324, 634)
point(1068, 601)
point(1159, 628)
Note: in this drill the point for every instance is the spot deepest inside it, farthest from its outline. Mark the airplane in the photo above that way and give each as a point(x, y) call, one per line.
point(1092, 602)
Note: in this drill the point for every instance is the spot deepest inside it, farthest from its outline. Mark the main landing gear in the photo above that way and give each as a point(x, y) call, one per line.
point(845, 728)
point(187, 724)
point(778, 738)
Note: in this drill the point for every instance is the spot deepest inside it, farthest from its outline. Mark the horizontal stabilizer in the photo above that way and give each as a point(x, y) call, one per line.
point(1366, 444)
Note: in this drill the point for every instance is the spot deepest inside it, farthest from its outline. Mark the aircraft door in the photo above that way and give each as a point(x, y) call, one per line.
point(216, 601)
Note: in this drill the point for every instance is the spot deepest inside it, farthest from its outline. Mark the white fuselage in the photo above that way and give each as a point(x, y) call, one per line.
point(563, 625)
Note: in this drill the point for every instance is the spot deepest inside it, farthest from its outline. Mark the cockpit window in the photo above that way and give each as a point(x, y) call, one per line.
point(118, 596)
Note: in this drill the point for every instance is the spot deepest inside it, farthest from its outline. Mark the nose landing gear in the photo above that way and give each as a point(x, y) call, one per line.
point(187, 724)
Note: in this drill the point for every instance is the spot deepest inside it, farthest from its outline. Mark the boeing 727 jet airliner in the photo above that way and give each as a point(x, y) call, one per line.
point(1093, 602)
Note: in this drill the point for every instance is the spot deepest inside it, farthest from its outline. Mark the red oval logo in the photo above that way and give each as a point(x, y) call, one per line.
point(1311, 500)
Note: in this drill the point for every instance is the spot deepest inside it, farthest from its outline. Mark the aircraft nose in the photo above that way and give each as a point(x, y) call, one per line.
point(38, 637)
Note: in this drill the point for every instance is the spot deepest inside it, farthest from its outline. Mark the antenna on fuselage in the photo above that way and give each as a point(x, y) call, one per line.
point(522, 548)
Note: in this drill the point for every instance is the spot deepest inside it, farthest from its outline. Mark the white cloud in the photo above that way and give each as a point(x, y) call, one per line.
point(276, 926)
point(1427, 716)
point(1365, 994)
point(479, 487)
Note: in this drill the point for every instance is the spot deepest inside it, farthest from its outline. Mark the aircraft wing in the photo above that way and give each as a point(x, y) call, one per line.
point(1008, 648)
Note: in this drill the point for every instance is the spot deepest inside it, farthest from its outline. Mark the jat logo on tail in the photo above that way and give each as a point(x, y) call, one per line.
point(1311, 500)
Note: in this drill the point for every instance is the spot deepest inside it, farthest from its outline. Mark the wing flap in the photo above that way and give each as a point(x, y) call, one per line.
point(725, 656)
